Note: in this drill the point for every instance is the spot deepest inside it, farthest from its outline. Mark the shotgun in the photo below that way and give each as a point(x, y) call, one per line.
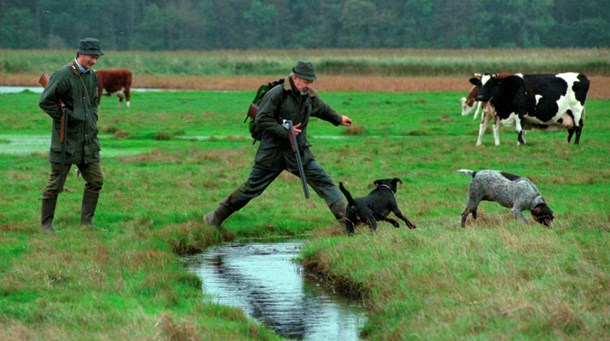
point(297, 154)
point(44, 79)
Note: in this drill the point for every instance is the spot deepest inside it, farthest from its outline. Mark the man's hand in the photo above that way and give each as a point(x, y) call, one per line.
point(297, 129)
point(346, 121)
point(70, 117)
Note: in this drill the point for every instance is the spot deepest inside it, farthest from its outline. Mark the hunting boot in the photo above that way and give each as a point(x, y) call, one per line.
point(49, 201)
point(88, 208)
point(338, 210)
point(216, 217)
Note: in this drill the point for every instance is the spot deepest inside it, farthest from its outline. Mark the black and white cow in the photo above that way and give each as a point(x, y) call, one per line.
point(537, 101)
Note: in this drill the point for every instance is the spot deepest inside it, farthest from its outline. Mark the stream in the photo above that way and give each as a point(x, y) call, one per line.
point(268, 285)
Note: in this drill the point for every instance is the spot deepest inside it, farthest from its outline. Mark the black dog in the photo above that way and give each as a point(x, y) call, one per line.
point(375, 206)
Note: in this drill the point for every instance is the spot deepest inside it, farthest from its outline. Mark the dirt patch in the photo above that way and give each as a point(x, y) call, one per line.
point(600, 85)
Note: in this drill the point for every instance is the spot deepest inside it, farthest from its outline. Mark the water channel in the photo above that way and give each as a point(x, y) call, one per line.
point(268, 285)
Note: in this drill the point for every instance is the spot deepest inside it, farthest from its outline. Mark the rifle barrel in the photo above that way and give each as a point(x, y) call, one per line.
point(297, 154)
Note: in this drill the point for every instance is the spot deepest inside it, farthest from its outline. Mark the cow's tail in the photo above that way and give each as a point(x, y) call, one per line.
point(348, 196)
point(467, 172)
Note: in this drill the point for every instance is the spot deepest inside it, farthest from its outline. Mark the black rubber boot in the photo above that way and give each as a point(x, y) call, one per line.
point(216, 217)
point(338, 210)
point(88, 208)
point(49, 201)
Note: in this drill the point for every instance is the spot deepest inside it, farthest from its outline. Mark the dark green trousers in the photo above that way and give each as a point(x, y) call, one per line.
point(91, 173)
point(260, 178)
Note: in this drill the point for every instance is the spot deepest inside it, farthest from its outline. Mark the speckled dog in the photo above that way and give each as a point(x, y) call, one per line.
point(512, 191)
point(375, 206)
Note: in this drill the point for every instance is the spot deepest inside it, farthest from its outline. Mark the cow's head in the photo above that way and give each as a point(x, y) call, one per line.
point(486, 83)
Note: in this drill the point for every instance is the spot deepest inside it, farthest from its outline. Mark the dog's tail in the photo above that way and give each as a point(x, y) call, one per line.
point(468, 172)
point(348, 196)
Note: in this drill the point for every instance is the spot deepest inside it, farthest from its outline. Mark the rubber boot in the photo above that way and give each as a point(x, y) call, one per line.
point(338, 210)
point(216, 217)
point(88, 208)
point(49, 201)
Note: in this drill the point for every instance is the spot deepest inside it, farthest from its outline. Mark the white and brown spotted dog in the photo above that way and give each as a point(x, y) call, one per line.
point(509, 190)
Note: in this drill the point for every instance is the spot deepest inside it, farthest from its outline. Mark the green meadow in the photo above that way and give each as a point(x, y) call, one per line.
point(173, 156)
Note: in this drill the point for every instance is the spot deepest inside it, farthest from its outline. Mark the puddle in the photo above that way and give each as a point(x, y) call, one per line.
point(29, 144)
point(24, 145)
point(264, 281)
point(38, 89)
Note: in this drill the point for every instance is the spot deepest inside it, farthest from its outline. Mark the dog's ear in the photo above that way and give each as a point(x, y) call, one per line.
point(396, 180)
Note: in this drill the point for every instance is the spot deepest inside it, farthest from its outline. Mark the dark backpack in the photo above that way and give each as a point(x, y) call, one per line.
point(255, 131)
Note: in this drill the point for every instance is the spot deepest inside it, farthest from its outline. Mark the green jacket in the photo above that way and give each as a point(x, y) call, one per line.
point(78, 93)
point(286, 102)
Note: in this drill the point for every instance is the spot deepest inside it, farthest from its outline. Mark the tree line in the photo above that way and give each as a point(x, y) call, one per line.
point(157, 25)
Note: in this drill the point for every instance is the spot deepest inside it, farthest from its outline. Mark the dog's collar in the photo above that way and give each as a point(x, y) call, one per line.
point(388, 187)
point(537, 201)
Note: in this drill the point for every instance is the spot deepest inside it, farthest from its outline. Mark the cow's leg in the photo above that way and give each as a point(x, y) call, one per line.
point(484, 122)
point(570, 133)
point(120, 104)
point(578, 131)
point(127, 97)
point(496, 130)
point(482, 128)
point(520, 132)
point(477, 110)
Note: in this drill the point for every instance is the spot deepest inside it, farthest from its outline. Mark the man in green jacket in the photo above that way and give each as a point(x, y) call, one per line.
point(295, 100)
point(72, 91)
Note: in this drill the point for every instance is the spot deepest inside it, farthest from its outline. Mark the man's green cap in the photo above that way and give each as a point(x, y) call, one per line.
point(304, 70)
point(90, 46)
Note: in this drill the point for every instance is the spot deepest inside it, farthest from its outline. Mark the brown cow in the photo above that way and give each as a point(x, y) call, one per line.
point(114, 82)
point(489, 112)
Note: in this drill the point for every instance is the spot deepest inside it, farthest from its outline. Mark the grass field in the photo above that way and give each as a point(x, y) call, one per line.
point(174, 155)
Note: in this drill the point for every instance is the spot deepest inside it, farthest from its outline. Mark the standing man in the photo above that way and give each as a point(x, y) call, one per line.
point(294, 100)
point(72, 92)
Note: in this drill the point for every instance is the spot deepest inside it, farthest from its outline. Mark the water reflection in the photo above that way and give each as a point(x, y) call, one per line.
point(263, 280)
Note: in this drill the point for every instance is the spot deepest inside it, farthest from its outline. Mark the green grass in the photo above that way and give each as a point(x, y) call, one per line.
point(174, 156)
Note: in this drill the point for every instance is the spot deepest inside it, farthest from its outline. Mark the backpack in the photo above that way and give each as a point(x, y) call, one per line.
point(255, 131)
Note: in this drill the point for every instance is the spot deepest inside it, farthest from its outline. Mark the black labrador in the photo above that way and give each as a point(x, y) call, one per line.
point(375, 206)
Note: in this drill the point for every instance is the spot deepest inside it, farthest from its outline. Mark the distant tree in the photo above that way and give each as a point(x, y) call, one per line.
point(150, 32)
point(357, 24)
point(292, 24)
point(18, 30)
